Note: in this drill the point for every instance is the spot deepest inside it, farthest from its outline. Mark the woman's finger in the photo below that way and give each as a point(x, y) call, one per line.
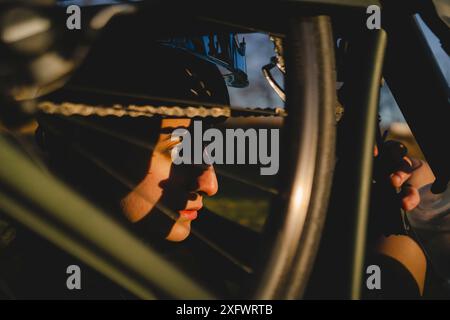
point(410, 199)
point(403, 173)
point(398, 178)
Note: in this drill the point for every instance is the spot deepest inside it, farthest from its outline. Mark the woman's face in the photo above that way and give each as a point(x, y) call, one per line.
point(179, 188)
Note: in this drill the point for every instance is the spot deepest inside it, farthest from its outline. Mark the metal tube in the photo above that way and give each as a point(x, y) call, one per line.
point(365, 106)
point(423, 95)
point(338, 270)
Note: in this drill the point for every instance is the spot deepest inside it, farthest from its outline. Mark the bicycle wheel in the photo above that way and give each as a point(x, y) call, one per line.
point(293, 230)
point(296, 221)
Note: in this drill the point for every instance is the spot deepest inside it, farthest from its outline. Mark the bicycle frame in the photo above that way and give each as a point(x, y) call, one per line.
point(354, 171)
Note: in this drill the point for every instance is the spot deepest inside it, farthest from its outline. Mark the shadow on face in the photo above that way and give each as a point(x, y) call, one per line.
point(168, 190)
point(125, 166)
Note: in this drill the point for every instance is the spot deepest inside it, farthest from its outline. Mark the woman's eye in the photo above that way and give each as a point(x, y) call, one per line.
point(167, 149)
point(175, 143)
point(171, 147)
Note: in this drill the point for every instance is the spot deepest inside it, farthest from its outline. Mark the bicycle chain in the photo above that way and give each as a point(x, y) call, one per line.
point(119, 110)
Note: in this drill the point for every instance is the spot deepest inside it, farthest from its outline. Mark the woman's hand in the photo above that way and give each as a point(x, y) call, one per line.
point(410, 193)
point(412, 175)
point(410, 179)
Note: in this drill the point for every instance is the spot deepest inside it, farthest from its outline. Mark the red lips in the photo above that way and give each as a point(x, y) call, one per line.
point(189, 214)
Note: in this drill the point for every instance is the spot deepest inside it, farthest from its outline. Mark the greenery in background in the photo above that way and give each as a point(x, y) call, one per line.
point(239, 202)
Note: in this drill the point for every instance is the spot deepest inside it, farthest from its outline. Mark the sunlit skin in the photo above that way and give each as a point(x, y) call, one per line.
point(403, 248)
point(142, 200)
point(148, 192)
point(411, 196)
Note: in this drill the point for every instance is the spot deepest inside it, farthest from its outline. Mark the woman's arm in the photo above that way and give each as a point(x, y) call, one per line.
point(401, 248)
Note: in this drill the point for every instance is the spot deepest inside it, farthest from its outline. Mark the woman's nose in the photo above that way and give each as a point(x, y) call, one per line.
point(207, 181)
